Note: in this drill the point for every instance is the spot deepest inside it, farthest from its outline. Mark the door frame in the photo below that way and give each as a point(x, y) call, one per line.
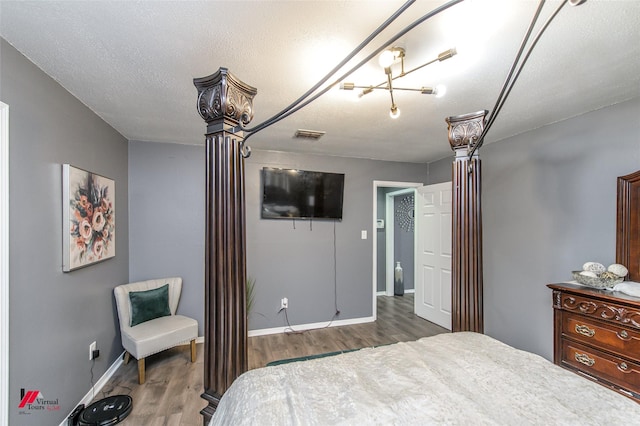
point(377, 184)
point(4, 263)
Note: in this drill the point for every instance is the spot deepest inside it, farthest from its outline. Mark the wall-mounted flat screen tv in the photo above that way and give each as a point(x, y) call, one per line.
point(301, 194)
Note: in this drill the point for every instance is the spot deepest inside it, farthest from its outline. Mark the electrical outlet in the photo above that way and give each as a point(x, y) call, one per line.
point(92, 347)
point(284, 303)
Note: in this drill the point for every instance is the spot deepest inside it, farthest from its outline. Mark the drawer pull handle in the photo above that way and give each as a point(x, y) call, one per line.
point(623, 366)
point(584, 359)
point(585, 331)
point(623, 334)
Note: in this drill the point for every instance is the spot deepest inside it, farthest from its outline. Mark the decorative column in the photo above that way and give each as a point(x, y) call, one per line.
point(466, 262)
point(224, 102)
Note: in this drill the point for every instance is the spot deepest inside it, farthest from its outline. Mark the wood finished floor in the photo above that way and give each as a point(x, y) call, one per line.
point(171, 394)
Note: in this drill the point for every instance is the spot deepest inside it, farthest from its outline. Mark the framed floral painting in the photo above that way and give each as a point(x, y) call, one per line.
point(88, 213)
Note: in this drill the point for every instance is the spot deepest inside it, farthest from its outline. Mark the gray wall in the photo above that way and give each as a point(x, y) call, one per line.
point(167, 233)
point(440, 171)
point(54, 316)
point(548, 206)
point(298, 263)
point(166, 213)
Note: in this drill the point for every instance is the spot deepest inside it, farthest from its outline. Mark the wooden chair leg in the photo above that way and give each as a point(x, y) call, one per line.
point(193, 350)
point(127, 357)
point(141, 371)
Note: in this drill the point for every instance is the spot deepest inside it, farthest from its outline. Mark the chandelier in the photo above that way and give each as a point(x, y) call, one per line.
point(396, 55)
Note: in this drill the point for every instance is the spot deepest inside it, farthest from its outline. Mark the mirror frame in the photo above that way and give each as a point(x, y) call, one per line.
point(628, 224)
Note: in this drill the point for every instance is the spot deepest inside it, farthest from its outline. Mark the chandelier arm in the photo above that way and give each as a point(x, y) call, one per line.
point(368, 87)
point(416, 68)
point(390, 88)
point(291, 110)
point(411, 89)
point(380, 86)
point(408, 89)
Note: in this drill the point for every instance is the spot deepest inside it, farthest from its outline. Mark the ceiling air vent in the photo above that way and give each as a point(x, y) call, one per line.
point(310, 135)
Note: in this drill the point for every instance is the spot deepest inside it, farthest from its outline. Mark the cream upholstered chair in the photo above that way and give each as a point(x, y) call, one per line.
point(148, 320)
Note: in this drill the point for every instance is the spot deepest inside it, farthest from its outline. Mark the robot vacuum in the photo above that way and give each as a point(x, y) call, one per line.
point(107, 411)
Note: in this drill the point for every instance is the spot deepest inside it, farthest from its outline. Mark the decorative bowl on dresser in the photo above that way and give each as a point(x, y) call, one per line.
point(597, 335)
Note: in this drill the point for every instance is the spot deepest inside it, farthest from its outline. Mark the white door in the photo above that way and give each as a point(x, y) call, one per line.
point(433, 253)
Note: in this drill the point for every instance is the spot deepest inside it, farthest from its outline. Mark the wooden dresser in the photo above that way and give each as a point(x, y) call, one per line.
point(597, 335)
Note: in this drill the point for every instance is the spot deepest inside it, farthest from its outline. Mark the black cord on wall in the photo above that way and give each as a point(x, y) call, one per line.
point(335, 272)
point(289, 329)
point(93, 395)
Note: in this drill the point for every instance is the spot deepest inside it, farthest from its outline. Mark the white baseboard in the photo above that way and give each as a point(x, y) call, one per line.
point(95, 390)
point(384, 293)
point(303, 327)
point(98, 386)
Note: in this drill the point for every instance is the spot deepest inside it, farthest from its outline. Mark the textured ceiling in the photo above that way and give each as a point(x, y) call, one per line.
point(133, 64)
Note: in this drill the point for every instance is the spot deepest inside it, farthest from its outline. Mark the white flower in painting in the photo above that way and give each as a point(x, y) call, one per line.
point(85, 230)
point(98, 221)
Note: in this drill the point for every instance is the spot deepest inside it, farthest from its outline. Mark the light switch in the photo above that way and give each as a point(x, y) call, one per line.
point(363, 234)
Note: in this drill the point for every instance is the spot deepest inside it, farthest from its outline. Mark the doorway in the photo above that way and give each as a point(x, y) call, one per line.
point(381, 274)
point(399, 239)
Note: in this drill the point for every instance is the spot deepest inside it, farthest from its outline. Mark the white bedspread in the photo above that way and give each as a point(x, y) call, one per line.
point(448, 379)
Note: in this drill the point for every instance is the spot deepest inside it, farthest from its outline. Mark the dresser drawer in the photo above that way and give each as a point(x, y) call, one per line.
point(610, 337)
point(605, 310)
point(615, 370)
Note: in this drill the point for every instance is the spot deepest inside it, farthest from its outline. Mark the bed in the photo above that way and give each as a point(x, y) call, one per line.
point(454, 378)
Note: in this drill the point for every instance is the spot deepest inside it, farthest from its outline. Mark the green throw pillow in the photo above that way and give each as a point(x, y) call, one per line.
point(149, 304)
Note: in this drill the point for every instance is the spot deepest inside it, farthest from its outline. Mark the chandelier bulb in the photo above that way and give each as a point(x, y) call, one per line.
point(389, 56)
point(395, 112)
point(386, 59)
point(441, 90)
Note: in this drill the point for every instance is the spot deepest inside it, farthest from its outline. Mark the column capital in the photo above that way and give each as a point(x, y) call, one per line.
point(464, 130)
point(223, 97)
